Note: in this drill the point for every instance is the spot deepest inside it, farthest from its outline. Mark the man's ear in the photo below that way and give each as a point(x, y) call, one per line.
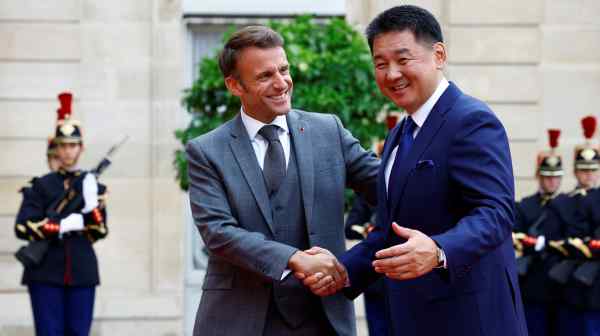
point(234, 86)
point(440, 55)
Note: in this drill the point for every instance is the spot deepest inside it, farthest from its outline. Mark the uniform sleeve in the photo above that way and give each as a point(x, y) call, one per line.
point(360, 214)
point(520, 219)
point(32, 215)
point(95, 220)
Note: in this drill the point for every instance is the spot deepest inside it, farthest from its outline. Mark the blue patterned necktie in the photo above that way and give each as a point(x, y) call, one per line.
point(405, 143)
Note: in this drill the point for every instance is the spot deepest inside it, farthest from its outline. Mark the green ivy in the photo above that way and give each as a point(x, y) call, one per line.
point(331, 67)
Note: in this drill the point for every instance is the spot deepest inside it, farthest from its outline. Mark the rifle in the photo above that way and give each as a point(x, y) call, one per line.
point(33, 253)
point(72, 199)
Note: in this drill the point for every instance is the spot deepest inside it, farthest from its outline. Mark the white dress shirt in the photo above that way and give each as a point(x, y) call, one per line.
point(419, 118)
point(259, 143)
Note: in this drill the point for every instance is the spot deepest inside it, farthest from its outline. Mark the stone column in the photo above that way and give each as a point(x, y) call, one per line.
point(123, 60)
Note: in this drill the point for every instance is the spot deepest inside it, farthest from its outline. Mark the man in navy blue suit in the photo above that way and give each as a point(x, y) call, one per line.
point(445, 197)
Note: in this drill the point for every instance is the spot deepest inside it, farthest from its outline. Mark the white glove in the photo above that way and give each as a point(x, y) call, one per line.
point(73, 222)
point(540, 243)
point(90, 193)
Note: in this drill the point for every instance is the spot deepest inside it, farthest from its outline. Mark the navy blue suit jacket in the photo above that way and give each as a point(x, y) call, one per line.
point(456, 186)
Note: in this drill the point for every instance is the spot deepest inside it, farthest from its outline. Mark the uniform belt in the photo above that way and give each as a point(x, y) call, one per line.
point(71, 234)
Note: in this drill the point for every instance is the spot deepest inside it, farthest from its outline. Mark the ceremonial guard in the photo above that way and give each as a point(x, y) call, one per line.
point(586, 275)
point(567, 212)
point(587, 246)
point(532, 230)
point(62, 214)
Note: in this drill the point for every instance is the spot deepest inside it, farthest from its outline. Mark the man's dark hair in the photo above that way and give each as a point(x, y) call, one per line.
point(252, 36)
point(419, 21)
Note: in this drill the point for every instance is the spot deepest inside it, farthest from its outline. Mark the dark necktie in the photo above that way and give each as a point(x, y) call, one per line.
point(274, 165)
point(405, 143)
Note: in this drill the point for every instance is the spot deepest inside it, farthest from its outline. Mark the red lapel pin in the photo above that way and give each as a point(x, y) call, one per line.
point(301, 129)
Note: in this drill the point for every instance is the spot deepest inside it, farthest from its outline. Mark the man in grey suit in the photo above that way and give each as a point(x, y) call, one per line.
point(265, 186)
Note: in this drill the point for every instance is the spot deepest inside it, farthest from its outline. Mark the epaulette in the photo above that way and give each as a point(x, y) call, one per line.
point(28, 185)
point(530, 204)
point(578, 191)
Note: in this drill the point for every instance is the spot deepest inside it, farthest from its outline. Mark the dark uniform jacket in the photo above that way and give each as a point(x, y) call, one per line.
point(591, 212)
point(532, 219)
point(70, 259)
point(566, 211)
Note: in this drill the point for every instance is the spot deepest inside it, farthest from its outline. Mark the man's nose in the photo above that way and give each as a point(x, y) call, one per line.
point(279, 82)
point(394, 72)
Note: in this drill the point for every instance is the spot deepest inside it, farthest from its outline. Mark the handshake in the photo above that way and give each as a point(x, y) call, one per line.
point(319, 270)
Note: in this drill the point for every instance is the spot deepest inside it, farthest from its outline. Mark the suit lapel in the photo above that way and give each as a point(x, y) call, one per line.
point(387, 151)
point(244, 154)
point(426, 134)
point(301, 141)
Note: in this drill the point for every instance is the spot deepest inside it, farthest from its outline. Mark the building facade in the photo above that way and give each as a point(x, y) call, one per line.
point(536, 63)
point(123, 61)
point(127, 62)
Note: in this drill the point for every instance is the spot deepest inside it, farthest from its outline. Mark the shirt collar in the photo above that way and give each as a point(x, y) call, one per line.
point(422, 113)
point(253, 126)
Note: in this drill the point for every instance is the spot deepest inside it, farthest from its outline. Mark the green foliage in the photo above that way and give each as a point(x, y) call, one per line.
point(331, 67)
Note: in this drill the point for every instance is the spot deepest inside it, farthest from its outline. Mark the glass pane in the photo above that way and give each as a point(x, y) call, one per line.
point(206, 39)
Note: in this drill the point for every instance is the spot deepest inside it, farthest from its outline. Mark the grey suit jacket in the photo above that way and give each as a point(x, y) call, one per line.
point(231, 209)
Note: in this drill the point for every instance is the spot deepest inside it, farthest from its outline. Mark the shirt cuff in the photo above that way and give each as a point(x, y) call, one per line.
point(443, 257)
point(285, 273)
point(445, 260)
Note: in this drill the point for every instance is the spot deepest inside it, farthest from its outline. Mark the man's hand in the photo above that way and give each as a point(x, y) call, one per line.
point(412, 259)
point(319, 270)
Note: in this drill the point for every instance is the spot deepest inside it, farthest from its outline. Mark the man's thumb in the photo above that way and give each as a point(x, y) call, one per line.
point(401, 231)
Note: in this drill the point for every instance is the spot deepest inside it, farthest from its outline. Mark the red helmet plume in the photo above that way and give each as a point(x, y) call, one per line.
point(65, 98)
point(589, 126)
point(553, 135)
point(62, 114)
point(391, 121)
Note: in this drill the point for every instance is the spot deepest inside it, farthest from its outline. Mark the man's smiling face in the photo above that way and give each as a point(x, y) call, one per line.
point(407, 71)
point(263, 82)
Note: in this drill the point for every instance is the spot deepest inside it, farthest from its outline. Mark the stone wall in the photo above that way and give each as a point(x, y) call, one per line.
point(536, 62)
point(123, 60)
